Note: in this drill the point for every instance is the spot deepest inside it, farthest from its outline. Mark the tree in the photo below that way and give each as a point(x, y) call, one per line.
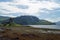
point(11, 22)
point(8, 22)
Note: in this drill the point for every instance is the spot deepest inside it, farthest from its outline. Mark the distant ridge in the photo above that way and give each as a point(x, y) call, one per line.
point(27, 20)
point(58, 23)
point(2, 18)
point(31, 20)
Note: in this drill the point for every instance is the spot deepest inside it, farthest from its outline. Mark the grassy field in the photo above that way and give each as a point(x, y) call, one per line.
point(28, 33)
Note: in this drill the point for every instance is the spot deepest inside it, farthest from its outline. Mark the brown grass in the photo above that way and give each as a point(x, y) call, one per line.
point(30, 34)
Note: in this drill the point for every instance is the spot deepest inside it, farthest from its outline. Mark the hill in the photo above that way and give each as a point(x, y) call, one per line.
point(31, 20)
point(26, 20)
point(58, 23)
point(2, 18)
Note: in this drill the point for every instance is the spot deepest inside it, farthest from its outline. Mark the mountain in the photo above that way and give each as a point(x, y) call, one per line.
point(31, 20)
point(2, 18)
point(45, 22)
point(26, 20)
point(58, 23)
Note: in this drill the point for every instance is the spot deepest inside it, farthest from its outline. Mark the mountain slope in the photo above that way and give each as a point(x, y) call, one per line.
point(3, 18)
point(26, 20)
point(45, 22)
point(31, 20)
point(58, 23)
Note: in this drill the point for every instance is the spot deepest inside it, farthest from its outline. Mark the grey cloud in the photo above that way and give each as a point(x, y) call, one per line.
point(6, 0)
point(22, 6)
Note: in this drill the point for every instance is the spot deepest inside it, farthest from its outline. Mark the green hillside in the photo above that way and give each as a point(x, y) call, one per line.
point(31, 20)
point(3, 18)
point(24, 20)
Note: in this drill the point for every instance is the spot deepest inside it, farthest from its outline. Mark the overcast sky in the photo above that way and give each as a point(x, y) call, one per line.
point(44, 9)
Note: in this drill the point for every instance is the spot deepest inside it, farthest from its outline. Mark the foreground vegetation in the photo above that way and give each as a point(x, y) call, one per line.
point(27, 33)
point(12, 31)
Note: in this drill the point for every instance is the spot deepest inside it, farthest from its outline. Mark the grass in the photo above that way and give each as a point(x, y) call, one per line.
point(28, 33)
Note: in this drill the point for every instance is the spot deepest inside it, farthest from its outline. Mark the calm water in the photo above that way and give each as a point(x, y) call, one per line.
point(47, 26)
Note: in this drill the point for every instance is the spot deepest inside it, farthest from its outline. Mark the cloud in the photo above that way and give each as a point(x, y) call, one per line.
point(22, 6)
point(36, 6)
point(53, 19)
point(28, 7)
point(10, 9)
point(9, 16)
point(33, 7)
point(5, 0)
point(57, 1)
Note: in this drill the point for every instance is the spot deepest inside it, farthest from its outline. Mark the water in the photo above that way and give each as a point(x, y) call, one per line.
point(47, 26)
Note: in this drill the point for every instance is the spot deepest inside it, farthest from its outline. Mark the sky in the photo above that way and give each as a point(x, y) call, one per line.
point(43, 9)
